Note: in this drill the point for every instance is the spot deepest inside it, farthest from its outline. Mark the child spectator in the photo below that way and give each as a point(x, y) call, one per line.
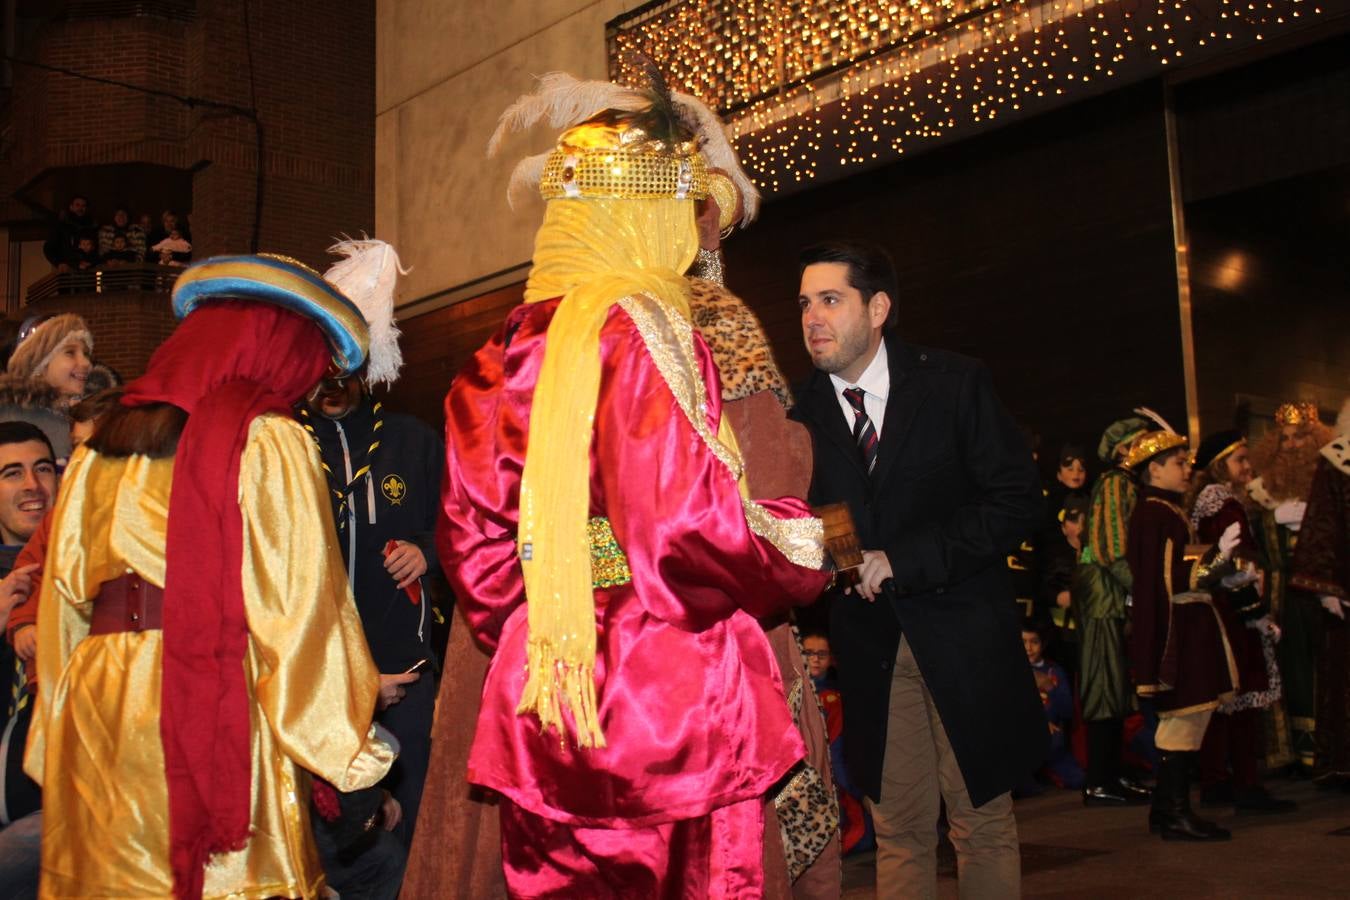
point(119, 254)
point(1057, 696)
point(173, 250)
point(855, 827)
point(1070, 479)
point(133, 239)
point(168, 222)
point(85, 255)
point(1060, 550)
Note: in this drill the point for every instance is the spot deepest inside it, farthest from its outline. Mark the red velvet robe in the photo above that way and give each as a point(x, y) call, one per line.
point(689, 695)
point(1240, 606)
point(1179, 647)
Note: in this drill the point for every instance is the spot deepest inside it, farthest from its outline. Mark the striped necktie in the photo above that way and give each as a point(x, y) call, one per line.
point(864, 434)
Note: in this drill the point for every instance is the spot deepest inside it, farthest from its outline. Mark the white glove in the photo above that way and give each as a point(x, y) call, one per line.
point(1230, 538)
point(1332, 605)
point(1290, 514)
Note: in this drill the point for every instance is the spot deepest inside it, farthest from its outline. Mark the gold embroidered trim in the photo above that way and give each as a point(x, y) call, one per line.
point(1167, 567)
point(802, 541)
point(669, 339)
point(609, 565)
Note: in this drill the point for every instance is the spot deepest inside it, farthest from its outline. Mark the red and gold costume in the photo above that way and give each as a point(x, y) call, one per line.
point(633, 748)
point(198, 646)
point(1179, 646)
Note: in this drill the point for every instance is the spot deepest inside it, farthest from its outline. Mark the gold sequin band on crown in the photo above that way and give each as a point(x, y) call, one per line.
point(638, 173)
point(609, 565)
point(1151, 444)
point(1297, 414)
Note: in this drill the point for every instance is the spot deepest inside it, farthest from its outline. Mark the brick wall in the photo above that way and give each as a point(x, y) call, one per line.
point(314, 82)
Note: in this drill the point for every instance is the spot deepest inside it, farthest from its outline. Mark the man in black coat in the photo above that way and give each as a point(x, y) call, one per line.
point(938, 695)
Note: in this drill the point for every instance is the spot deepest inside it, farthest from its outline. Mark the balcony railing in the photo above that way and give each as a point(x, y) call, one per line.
point(107, 280)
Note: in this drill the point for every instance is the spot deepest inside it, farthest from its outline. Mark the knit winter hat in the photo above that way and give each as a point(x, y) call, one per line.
point(39, 346)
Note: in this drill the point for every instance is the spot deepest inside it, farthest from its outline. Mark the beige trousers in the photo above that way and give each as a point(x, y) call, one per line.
point(918, 772)
point(1184, 732)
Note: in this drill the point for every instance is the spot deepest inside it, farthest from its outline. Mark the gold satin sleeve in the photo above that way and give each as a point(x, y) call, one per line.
point(316, 682)
point(111, 517)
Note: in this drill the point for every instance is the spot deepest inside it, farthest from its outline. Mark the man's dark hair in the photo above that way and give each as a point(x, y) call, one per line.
point(22, 433)
point(870, 269)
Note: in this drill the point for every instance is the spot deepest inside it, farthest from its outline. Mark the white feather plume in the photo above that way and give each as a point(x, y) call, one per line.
point(366, 276)
point(1157, 419)
point(525, 178)
point(718, 151)
point(564, 101)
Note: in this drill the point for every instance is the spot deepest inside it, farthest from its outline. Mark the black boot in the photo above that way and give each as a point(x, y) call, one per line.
point(1104, 784)
point(1255, 799)
point(1171, 814)
point(1135, 793)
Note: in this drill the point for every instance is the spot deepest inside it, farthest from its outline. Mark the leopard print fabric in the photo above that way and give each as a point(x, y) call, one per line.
point(737, 341)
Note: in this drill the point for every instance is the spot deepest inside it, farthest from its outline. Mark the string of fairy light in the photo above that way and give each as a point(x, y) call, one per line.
point(894, 74)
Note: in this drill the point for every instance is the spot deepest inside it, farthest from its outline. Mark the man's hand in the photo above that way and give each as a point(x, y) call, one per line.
point(25, 643)
point(405, 563)
point(875, 569)
point(391, 687)
point(393, 813)
point(15, 587)
point(1332, 604)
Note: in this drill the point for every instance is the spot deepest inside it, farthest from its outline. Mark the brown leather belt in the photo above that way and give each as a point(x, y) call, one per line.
point(129, 603)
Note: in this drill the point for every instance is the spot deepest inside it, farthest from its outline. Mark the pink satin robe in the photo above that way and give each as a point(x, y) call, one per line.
point(689, 694)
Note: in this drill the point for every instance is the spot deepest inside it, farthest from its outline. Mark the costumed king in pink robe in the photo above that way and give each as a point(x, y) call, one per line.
point(596, 535)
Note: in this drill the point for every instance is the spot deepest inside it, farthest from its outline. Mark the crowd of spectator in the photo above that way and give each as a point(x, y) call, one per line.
point(1054, 599)
point(78, 243)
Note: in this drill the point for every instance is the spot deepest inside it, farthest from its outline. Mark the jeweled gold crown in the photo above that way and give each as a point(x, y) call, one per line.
point(1151, 444)
point(620, 160)
point(1297, 414)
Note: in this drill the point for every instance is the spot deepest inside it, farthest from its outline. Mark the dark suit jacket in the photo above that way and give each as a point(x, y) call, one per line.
point(954, 491)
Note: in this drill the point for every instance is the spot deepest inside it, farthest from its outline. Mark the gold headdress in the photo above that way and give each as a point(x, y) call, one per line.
point(631, 145)
point(1150, 445)
point(1297, 414)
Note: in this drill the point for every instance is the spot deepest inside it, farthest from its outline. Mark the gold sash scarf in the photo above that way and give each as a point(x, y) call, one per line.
point(592, 253)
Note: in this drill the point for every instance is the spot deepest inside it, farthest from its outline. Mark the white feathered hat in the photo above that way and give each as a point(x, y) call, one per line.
point(366, 276)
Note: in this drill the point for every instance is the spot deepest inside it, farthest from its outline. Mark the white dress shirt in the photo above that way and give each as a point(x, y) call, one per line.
point(875, 382)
